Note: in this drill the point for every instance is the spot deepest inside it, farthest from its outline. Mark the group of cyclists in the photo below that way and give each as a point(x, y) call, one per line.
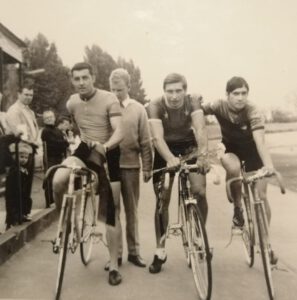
point(176, 124)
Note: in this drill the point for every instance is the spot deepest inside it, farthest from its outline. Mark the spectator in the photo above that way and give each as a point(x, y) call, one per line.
point(20, 118)
point(16, 192)
point(55, 145)
point(136, 145)
point(55, 141)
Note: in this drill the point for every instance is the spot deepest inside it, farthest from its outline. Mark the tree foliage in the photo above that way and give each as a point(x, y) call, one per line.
point(103, 64)
point(52, 87)
point(137, 92)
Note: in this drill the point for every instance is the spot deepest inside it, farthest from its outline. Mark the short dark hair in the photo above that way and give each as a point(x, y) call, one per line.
point(236, 83)
point(27, 84)
point(174, 78)
point(82, 66)
point(62, 119)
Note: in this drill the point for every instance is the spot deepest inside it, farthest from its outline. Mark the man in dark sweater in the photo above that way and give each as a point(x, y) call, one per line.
point(55, 142)
point(54, 147)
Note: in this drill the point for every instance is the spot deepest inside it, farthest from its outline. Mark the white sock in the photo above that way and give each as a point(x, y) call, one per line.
point(161, 253)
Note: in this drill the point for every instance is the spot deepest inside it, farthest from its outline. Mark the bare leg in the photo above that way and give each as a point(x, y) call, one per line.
point(231, 164)
point(198, 188)
point(161, 214)
point(61, 178)
point(262, 188)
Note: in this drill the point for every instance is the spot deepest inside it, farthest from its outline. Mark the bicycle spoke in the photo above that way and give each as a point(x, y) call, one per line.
point(66, 227)
point(265, 250)
point(199, 253)
point(87, 229)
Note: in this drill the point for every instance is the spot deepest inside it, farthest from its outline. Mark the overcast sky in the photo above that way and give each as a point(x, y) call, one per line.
point(208, 41)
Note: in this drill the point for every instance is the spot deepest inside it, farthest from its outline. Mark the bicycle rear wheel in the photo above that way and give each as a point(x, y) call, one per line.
point(265, 250)
point(248, 233)
point(184, 232)
point(64, 236)
point(87, 229)
point(199, 253)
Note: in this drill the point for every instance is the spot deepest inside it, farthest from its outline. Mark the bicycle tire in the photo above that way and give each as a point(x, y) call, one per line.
point(66, 228)
point(87, 230)
point(184, 232)
point(199, 253)
point(248, 232)
point(265, 250)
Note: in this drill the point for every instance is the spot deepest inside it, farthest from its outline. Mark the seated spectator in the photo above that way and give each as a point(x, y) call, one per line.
point(55, 147)
point(54, 139)
point(14, 193)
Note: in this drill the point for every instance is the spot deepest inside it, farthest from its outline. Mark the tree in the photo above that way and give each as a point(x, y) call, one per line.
point(102, 63)
point(52, 88)
point(137, 92)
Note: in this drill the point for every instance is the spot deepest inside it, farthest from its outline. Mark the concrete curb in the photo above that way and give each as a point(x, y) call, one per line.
point(15, 238)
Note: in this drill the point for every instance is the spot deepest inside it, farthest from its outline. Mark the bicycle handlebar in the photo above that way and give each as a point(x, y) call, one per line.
point(74, 168)
point(260, 174)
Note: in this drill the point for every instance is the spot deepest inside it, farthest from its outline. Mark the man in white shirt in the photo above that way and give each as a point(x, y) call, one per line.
point(20, 118)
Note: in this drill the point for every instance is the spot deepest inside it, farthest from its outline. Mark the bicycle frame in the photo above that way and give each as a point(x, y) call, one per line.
point(260, 222)
point(70, 198)
point(256, 202)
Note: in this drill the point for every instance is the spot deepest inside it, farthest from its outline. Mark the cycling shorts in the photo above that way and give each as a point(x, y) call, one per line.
point(247, 154)
point(83, 152)
point(176, 149)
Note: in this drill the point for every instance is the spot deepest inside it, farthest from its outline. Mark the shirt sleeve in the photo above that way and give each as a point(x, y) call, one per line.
point(145, 142)
point(69, 106)
point(154, 110)
point(210, 108)
point(196, 101)
point(114, 108)
point(255, 118)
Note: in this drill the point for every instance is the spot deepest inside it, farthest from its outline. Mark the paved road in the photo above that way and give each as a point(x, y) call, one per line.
point(31, 273)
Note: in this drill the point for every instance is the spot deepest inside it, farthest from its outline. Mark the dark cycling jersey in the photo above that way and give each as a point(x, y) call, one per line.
point(237, 130)
point(236, 126)
point(176, 122)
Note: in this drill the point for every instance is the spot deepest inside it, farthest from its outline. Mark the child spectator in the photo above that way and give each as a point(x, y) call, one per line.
point(18, 190)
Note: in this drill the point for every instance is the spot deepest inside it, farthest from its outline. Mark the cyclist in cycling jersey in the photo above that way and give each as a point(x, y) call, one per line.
point(242, 127)
point(178, 128)
point(97, 114)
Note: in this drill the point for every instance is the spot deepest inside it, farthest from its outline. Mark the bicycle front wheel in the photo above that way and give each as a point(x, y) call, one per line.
point(199, 253)
point(265, 250)
point(248, 233)
point(87, 229)
point(64, 237)
point(184, 232)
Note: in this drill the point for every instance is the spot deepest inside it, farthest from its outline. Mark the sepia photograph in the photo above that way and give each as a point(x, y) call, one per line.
point(148, 150)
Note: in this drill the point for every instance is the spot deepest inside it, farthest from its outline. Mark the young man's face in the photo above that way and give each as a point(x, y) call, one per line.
point(49, 118)
point(26, 96)
point(175, 94)
point(120, 89)
point(83, 82)
point(238, 98)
